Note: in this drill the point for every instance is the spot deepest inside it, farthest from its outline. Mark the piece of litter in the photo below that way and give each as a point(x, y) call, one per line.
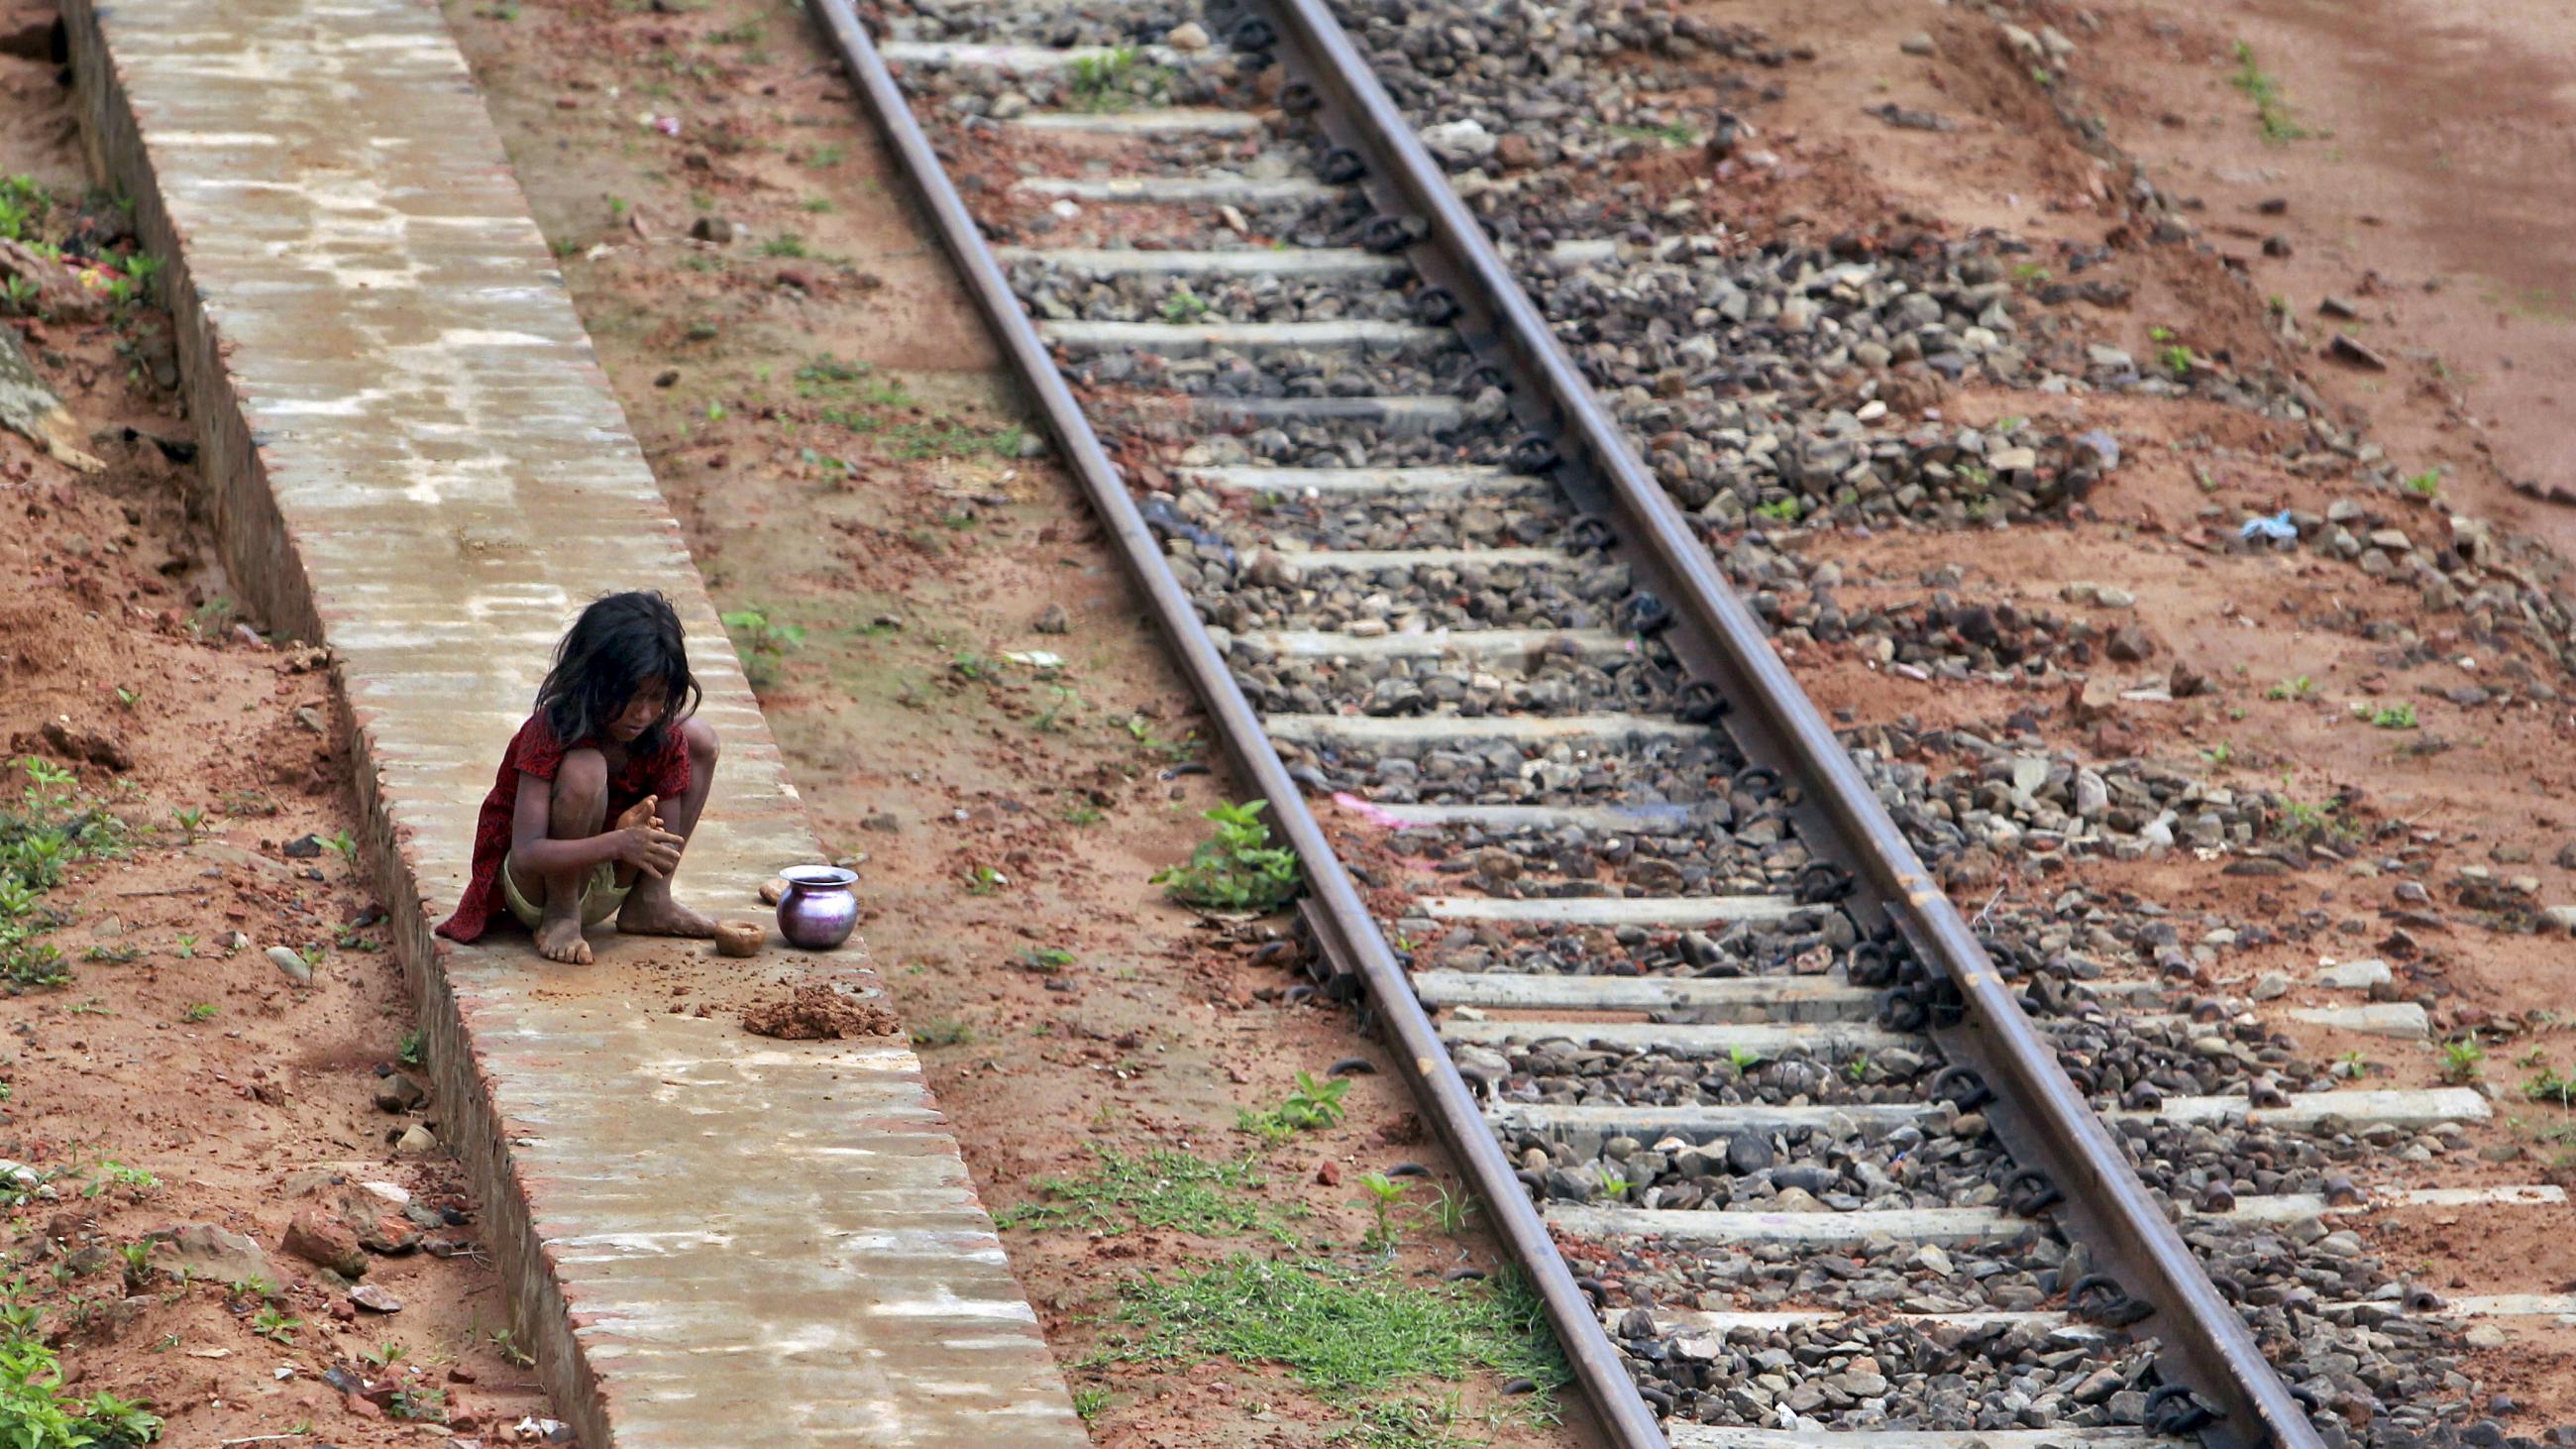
point(2278, 528)
point(390, 1193)
point(667, 125)
point(210, 1353)
point(1036, 658)
point(1367, 810)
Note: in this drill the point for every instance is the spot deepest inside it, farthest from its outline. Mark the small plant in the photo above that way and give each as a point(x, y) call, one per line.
point(1615, 1187)
point(1045, 960)
point(943, 1032)
point(1100, 81)
point(21, 294)
point(342, 846)
point(271, 1323)
point(137, 1258)
point(2400, 716)
point(199, 1011)
point(383, 1355)
point(1675, 134)
point(507, 1346)
point(1745, 1058)
point(1183, 306)
point(1384, 1194)
point(2160, 334)
point(1089, 1401)
point(2460, 1059)
point(2177, 360)
point(2426, 483)
point(412, 1049)
point(255, 1289)
point(984, 880)
point(1451, 1211)
point(2296, 687)
point(2030, 274)
point(1315, 1104)
point(2551, 1085)
point(189, 821)
point(2271, 112)
point(764, 644)
point(418, 1406)
point(1857, 1069)
point(1238, 869)
point(1779, 510)
point(2352, 1066)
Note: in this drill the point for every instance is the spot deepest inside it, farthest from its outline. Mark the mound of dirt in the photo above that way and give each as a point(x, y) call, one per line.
point(818, 1013)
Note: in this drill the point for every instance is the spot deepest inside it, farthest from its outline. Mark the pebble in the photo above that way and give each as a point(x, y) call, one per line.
point(1919, 43)
point(288, 960)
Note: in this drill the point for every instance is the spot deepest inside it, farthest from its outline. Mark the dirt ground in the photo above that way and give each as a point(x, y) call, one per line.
point(178, 1100)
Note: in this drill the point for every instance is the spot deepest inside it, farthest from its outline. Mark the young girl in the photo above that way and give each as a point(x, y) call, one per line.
point(599, 790)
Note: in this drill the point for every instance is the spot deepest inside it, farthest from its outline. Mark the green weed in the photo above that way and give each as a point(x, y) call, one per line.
point(2271, 111)
point(1237, 869)
point(2460, 1059)
point(1162, 1190)
point(2296, 687)
point(1314, 1105)
point(2426, 483)
point(763, 643)
point(1340, 1330)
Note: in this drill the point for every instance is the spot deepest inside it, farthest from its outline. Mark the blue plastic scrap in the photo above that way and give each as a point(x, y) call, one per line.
point(2278, 528)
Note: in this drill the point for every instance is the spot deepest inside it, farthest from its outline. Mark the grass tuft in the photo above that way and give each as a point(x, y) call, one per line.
point(1341, 1330)
point(1162, 1189)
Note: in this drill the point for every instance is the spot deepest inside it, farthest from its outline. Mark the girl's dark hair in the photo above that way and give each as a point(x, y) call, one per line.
point(617, 645)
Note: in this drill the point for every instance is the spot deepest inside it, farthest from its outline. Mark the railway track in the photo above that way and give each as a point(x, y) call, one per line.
point(1667, 977)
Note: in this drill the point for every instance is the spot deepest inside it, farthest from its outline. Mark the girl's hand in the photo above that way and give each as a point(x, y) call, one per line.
point(649, 848)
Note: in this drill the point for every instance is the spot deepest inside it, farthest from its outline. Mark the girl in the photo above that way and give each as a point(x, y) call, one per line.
point(599, 790)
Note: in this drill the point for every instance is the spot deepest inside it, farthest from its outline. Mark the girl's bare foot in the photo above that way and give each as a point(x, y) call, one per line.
point(644, 915)
point(559, 939)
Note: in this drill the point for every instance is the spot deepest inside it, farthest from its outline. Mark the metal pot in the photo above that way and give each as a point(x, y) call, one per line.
point(819, 908)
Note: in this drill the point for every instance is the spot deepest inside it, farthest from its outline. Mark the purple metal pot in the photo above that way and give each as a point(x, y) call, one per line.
point(819, 908)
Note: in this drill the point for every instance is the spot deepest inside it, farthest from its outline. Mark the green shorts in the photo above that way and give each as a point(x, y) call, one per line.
point(601, 896)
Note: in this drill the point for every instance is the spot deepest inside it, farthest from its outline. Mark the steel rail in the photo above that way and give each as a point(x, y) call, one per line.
point(1344, 927)
point(2045, 1122)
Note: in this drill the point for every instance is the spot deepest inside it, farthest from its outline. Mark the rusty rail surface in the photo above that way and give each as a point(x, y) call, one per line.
point(2037, 1113)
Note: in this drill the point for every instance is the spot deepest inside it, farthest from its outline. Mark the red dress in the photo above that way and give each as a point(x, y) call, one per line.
point(534, 751)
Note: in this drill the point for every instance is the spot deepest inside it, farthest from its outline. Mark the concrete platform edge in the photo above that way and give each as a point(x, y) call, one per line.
point(259, 554)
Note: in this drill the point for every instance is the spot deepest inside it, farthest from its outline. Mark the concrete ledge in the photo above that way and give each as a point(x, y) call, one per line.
point(708, 1238)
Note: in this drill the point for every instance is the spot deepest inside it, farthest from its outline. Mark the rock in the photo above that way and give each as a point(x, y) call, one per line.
point(740, 938)
point(285, 959)
point(2485, 1335)
point(1189, 35)
point(416, 1141)
point(714, 229)
point(1748, 1153)
point(1919, 43)
point(773, 890)
point(2272, 986)
point(398, 1092)
point(323, 1240)
point(207, 1252)
point(1053, 620)
point(2348, 349)
point(2129, 645)
point(303, 847)
point(374, 1299)
point(2355, 975)
point(2561, 919)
